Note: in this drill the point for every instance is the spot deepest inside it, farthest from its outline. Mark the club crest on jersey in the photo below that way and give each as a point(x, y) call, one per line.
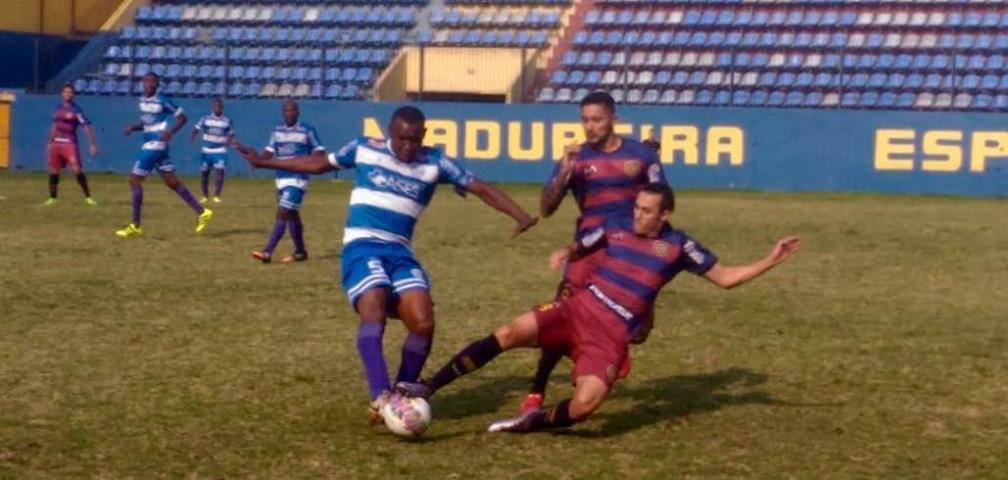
point(661, 248)
point(547, 306)
point(589, 170)
point(632, 168)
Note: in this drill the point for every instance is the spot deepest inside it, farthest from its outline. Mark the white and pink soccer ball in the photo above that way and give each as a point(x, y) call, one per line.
point(406, 416)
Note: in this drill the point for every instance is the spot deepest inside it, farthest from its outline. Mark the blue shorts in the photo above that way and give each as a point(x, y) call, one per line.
point(150, 160)
point(366, 265)
point(212, 160)
point(290, 198)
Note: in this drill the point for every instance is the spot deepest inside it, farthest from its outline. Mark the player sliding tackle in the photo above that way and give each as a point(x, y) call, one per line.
point(593, 326)
point(395, 181)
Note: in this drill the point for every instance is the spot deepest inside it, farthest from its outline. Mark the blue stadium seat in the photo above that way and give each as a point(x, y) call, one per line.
point(906, 100)
point(813, 99)
point(776, 98)
point(868, 99)
point(982, 102)
point(758, 98)
point(849, 99)
point(794, 99)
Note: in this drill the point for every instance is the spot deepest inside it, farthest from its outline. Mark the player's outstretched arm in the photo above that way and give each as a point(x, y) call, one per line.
point(92, 144)
point(501, 201)
point(727, 276)
point(180, 121)
point(310, 164)
point(555, 189)
point(133, 127)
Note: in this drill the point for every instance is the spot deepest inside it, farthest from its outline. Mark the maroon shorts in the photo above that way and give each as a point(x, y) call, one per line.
point(585, 329)
point(63, 155)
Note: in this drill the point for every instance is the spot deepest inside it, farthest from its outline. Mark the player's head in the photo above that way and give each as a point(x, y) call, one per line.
point(150, 83)
point(291, 112)
point(598, 117)
point(406, 132)
point(652, 208)
point(217, 106)
point(67, 92)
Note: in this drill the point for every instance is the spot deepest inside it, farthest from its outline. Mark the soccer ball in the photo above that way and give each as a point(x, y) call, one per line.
point(406, 416)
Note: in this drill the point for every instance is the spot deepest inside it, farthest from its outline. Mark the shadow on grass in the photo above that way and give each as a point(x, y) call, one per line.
point(657, 400)
point(678, 396)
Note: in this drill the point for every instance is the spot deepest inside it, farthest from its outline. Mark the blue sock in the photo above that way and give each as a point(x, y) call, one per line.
point(415, 350)
point(278, 230)
point(136, 195)
point(369, 347)
point(189, 199)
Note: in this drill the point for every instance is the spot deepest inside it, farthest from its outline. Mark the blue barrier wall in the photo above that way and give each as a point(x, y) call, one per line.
point(771, 149)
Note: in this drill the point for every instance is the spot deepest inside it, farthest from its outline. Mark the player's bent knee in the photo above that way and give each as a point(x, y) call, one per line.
point(588, 396)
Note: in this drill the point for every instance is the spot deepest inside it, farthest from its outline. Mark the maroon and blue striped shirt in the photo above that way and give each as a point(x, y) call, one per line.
point(605, 185)
point(634, 268)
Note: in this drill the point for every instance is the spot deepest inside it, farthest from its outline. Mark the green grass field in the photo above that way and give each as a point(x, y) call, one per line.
point(879, 351)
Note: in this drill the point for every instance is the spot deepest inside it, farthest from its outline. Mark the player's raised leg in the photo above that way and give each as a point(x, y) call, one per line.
point(589, 392)
point(520, 332)
point(297, 236)
point(203, 214)
point(283, 216)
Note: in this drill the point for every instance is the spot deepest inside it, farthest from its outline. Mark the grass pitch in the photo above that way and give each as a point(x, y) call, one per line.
point(879, 351)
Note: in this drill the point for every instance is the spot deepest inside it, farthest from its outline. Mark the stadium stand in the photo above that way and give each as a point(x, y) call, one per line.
point(909, 54)
point(816, 53)
point(252, 49)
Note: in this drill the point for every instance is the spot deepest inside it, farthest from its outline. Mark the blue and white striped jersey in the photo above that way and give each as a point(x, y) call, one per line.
point(154, 114)
point(216, 133)
point(286, 142)
point(389, 195)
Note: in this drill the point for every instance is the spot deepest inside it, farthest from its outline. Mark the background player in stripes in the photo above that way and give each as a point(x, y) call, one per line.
point(594, 325)
point(217, 132)
point(290, 140)
point(63, 151)
point(155, 110)
point(395, 181)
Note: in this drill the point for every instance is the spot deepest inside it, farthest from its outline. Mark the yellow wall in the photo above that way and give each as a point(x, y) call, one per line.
point(60, 17)
point(5, 110)
point(490, 71)
point(391, 85)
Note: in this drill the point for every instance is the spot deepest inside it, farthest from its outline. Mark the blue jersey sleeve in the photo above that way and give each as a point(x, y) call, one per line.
point(81, 118)
point(271, 145)
point(170, 107)
point(346, 156)
point(313, 140)
point(451, 172)
point(696, 258)
point(655, 173)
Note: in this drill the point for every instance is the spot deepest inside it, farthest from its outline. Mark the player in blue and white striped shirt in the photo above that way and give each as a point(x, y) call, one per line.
point(290, 140)
point(395, 181)
point(155, 110)
point(216, 131)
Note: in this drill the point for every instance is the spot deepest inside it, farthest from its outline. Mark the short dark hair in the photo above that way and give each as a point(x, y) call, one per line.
point(70, 86)
point(408, 114)
point(667, 195)
point(217, 100)
point(599, 98)
point(152, 75)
